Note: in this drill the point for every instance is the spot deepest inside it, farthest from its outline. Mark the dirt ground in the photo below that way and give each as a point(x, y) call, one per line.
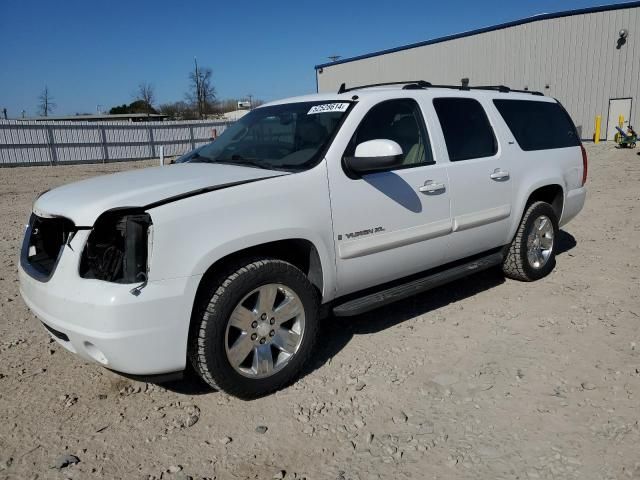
point(485, 378)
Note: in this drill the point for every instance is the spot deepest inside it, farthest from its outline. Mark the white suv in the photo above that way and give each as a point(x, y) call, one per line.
point(329, 202)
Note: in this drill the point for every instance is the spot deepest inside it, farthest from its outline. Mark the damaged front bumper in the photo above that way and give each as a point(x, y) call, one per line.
point(105, 323)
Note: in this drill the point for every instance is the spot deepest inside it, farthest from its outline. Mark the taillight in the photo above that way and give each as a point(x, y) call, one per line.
point(584, 165)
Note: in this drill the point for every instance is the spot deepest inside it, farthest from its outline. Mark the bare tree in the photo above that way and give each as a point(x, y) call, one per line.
point(179, 111)
point(146, 93)
point(46, 104)
point(202, 93)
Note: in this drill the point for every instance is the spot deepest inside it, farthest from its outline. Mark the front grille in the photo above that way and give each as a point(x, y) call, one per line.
point(43, 243)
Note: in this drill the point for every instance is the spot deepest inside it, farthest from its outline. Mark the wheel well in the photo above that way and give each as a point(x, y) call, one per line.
point(551, 194)
point(298, 252)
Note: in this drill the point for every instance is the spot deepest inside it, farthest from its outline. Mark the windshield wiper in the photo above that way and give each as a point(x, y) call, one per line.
point(197, 158)
point(293, 166)
point(242, 161)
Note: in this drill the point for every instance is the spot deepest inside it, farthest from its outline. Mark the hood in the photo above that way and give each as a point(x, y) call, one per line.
point(84, 201)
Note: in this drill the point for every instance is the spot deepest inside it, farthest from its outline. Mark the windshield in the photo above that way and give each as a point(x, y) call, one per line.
point(282, 137)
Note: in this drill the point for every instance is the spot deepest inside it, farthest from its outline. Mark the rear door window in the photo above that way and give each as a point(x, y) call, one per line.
point(466, 128)
point(538, 125)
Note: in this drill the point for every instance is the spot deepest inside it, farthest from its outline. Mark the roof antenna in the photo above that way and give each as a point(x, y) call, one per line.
point(343, 88)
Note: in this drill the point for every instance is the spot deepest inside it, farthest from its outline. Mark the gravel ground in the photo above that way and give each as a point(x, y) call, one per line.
point(484, 378)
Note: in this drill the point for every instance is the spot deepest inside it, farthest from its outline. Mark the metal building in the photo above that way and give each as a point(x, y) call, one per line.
point(588, 59)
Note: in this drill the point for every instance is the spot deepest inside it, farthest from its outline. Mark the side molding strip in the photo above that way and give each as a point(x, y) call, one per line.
point(475, 219)
point(399, 238)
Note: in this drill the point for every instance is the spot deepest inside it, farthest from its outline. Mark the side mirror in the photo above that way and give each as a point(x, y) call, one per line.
point(375, 155)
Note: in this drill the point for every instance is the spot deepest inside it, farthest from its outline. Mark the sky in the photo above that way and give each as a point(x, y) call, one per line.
point(91, 53)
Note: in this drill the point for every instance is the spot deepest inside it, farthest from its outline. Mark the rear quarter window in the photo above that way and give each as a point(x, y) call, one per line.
point(538, 125)
point(466, 128)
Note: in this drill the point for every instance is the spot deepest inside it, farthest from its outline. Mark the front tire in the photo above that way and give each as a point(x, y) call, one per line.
point(532, 253)
point(254, 329)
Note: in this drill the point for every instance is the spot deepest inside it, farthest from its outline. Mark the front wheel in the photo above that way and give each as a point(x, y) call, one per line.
point(253, 331)
point(531, 254)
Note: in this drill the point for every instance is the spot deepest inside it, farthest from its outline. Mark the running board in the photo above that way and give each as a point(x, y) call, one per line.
point(398, 292)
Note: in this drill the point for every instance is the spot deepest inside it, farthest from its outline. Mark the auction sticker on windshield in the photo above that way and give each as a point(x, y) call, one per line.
point(328, 107)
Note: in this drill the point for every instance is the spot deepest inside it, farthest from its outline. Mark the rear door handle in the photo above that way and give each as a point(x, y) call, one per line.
point(499, 175)
point(432, 187)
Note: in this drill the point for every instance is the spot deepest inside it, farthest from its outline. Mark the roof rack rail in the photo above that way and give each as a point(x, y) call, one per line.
point(418, 84)
point(505, 89)
point(422, 84)
point(498, 88)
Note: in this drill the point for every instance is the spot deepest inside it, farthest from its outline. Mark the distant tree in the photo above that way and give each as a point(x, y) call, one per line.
point(124, 108)
point(146, 94)
point(139, 106)
point(179, 111)
point(227, 105)
point(46, 104)
point(202, 93)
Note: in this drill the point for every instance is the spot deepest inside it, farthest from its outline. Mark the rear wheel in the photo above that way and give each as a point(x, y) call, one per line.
point(531, 254)
point(253, 331)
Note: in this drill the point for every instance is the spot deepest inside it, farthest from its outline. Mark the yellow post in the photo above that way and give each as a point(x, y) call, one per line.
point(616, 137)
point(596, 136)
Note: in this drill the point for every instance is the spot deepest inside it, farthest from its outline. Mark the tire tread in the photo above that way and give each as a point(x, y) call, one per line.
point(513, 265)
point(207, 318)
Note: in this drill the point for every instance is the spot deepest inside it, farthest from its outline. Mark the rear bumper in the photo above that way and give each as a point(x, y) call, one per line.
point(103, 322)
point(573, 204)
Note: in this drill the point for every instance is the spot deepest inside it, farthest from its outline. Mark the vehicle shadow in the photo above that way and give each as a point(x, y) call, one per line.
point(190, 384)
point(565, 242)
point(395, 188)
point(337, 332)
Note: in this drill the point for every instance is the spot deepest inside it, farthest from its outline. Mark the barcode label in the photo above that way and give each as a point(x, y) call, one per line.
point(328, 107)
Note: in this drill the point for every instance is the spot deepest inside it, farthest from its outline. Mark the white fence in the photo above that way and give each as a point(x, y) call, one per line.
point(66, 142)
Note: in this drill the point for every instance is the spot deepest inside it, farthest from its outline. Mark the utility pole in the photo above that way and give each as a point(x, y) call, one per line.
point(4, 113)
point(250, 97)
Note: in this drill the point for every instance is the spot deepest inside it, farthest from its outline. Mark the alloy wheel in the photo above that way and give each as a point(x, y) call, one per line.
point(540, 242)
point(265, 331)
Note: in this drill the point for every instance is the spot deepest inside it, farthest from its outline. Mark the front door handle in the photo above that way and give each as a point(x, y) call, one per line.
point(432, 187)
point(499, 174)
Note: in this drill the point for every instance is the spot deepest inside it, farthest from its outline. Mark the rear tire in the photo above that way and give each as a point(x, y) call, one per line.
point(531, 255)
point(242, 341)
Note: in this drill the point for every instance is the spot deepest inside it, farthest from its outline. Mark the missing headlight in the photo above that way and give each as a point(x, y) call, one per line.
point(117, 248)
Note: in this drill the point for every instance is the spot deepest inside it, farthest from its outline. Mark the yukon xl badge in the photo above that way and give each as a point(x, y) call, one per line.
point(362, 233)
